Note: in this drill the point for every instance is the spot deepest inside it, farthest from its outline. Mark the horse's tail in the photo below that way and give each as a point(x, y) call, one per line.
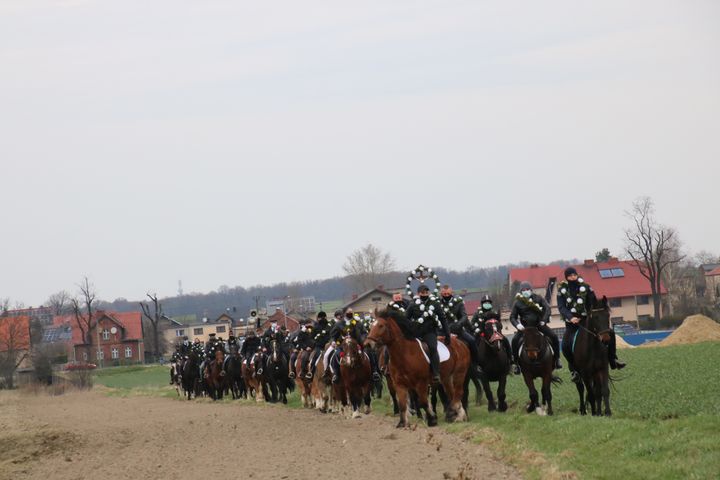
point(556, 380)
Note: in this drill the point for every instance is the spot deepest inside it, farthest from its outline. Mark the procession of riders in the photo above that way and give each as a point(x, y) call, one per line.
point(426, 318)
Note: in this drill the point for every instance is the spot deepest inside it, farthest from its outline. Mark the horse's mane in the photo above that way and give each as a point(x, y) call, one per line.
point(400, 319)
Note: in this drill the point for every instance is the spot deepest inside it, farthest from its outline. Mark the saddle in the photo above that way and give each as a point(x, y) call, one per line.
point(443, 352)
point(547, 342)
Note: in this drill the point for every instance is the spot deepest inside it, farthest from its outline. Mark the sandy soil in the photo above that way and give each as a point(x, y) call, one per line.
point(89, 435)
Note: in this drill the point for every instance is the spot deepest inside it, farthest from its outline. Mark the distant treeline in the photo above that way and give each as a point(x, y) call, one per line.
point(239, 300)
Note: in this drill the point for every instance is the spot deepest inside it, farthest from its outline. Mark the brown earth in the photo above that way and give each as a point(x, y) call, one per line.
point(89, 435)
point(694, 329)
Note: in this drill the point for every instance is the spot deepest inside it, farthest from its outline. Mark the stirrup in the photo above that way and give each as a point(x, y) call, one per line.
point(516, 369)
point(309, 375)
point(335, 378)
point(558, 365)
point(617, 365)
point(259, 371)
point(574, 376)
point(436, 379)
point(291, 375)
point(376, 376)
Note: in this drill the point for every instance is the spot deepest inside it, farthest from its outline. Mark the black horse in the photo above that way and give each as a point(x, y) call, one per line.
point(536, 360)
point(233, 376)
point(276, 373)
point(591, 358)
point(495, 363)
point(191, 375)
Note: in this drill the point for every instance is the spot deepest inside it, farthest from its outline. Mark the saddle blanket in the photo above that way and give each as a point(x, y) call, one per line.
point(443, 351)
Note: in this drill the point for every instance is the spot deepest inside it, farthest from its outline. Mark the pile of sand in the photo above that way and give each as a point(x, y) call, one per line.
point(621, 343)
point(694, 329)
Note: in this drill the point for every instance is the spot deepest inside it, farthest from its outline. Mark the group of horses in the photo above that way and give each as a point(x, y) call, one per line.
point(406, 371)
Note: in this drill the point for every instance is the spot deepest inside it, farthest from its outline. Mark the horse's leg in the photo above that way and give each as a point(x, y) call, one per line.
point(598, 382)
point(581, 392)
point(466, 392)
point(489, 395)
point(502, 382)
point(423, 404)
point(547, 392)
point(478, 390)
point(402, 397)
point(531, 389)
point(606, 392)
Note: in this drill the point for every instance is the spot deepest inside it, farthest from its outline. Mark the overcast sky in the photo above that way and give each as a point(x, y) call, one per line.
point(237, 143)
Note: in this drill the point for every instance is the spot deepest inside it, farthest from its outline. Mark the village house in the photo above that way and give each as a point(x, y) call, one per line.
point(175, 332)
point(14, 347)
point(115, 338)
point(712, 286)
point(374, 299)
point(620, 281)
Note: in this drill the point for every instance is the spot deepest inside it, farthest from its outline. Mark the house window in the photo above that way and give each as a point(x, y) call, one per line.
point(376, 299)
point(128, 352)
point(643, 318)
point(100, 354)
point(220, 329)
point(180, 332)
point(106, 334)
point(615, 302)
point(615, 320)
point(85, 356)
point(643, 299)
point(197, 331)
point(115, 353)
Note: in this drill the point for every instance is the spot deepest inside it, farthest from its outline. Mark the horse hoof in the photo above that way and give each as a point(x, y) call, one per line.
point(503, 407)
point(540, 411)
point(492, 408)
point(356, 414)
point(432, 422)
point(530, 408)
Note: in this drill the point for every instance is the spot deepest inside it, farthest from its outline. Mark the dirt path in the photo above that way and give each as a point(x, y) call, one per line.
point(92, 436)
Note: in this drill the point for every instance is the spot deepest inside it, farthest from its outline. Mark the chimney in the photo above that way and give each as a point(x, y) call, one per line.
point(534, 265)
point(589, 263)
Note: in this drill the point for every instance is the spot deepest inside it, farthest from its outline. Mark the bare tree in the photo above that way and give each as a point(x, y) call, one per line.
point(59, 302)
point(367, 264)
point(14, 345)
point(652, 246)
point(154, 319)
point(704, 257)
point(83, 309)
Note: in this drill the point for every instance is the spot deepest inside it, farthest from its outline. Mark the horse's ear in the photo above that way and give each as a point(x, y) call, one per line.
point(604, 302)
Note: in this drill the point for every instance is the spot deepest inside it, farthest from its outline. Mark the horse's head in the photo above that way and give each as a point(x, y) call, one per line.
point(491, 334)
point(351, 352)
point(274, 349)
point(532, 342)
point(599, 320)
point(219, 356)
point(381, 331)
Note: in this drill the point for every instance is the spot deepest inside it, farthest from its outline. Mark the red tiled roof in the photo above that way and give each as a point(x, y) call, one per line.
point(712, 273)
point(537, 275)
point(14, 333)
point(633, 283)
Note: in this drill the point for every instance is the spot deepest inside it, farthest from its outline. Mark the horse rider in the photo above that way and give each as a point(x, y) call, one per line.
point(321, 336)
point(176, 358)
point(574, 296)
point(399, 302)
point(484, 313)
point(303, 341)
point(349, 325)
point(250, 346)
point(425, 314)
point(213, 345)
point(185, 346)
point(232, 348)
point(530, 309)
point(454, 309)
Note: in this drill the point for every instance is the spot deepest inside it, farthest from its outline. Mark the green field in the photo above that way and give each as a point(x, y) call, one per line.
point(665, 424)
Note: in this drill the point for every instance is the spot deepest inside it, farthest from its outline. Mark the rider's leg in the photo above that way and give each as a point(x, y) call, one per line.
point(291, 365)
point(516, 351)
point(567, 342)
point(612, 353)
point(431, 340)
point(474, 352)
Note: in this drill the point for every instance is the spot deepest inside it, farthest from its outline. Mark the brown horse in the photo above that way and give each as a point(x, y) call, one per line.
point(356, 375)
point(214, 376)
point(536, 360)
point(321, 391)
point(304, 384)
point(253, 381)
point(411, 373)
point(591, 358)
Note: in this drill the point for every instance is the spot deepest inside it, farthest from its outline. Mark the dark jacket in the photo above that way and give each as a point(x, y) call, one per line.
point(213, 347)
point(455, 314)
point(321, 332)
point(477, 324)
point(422, 324)
point(347, 327)
point(528, 314)
point(576, 295)
point(304, 339)
point(250, 346)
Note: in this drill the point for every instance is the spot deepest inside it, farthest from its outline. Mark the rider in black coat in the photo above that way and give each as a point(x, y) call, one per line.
point(574, 295)
point(484, 313)
point(530, 309)
point(425, 315)
point(457, 320)
point(251, 345)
